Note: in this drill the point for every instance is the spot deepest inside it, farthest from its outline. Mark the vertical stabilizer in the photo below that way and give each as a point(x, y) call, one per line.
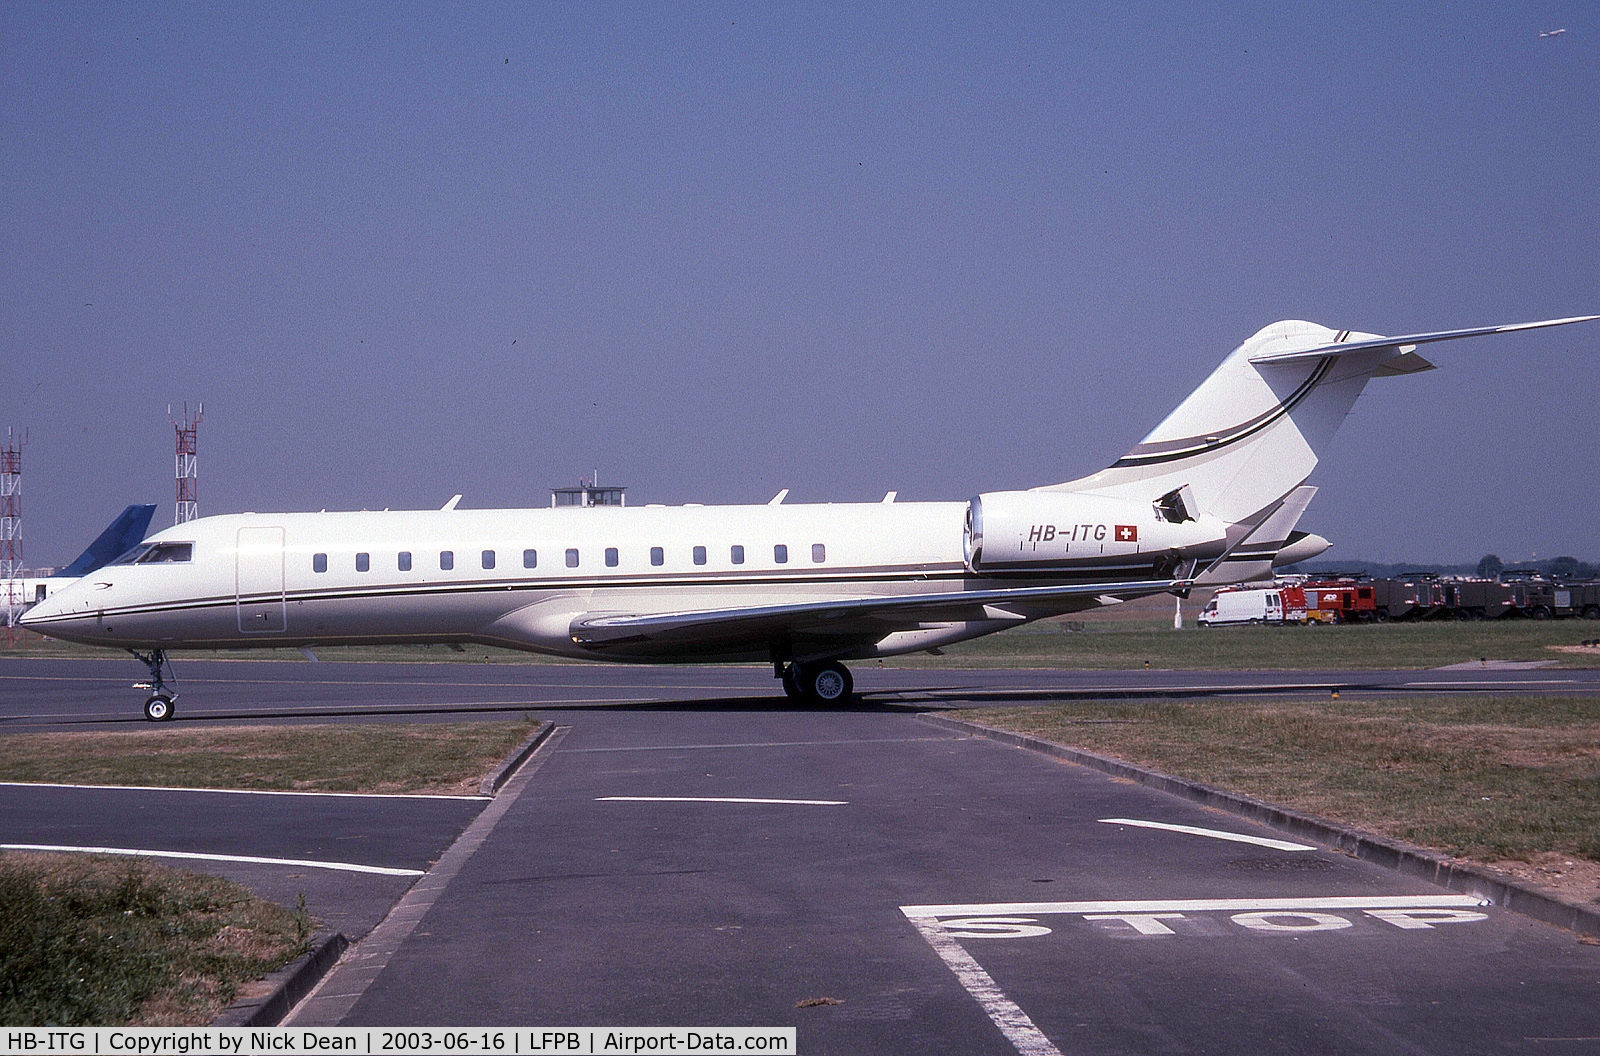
point(1253, 430)
point(120, 536)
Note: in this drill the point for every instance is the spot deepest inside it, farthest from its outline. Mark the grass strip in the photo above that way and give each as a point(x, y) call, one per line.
point(392, 758)
point(1118, 637)
point(1481, 777)
point(91, 940)
point(1130, 644)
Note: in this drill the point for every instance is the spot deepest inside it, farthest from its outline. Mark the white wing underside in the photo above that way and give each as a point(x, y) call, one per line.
point(862, 617)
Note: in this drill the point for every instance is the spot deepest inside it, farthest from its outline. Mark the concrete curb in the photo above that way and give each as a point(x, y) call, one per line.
point(283, 988)
point(347, 980)
point(491, 783)
point(1492, 886)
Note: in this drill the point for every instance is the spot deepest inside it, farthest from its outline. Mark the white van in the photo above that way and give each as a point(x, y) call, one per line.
point(1259, 605)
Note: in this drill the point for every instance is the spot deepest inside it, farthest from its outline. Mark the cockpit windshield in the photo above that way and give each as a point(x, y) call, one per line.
point(157, 553)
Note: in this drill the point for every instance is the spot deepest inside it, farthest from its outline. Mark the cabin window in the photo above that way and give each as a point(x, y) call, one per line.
point(611, 557)
point(447, 559)
point(736, 554)
point(780, 554)
point(699, 555)
point(405, 561)
point(530, 559)
point(363, 562)
point(572, 558)
point(488, 559)
point(319, 562)
point(819, 553)
point(658, 556)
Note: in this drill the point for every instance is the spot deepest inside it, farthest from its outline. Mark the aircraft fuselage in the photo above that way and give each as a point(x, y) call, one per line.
point(518, 578)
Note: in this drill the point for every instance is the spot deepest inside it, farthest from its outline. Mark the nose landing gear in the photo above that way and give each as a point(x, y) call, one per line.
point(158, 706)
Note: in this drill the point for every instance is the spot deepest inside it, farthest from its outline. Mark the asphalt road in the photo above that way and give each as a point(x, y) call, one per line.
point(895, 888)
point(689, 850)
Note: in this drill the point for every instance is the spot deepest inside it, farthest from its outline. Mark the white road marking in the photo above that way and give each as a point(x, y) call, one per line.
point(1195, 905)
point(720, 799)
point(1216, 834)
point(1143, 923)
point(345, 867)
point(1010, 920)
point(1281, 921)
point(1413, 919)
point(237, 791)
point(1006, 1013)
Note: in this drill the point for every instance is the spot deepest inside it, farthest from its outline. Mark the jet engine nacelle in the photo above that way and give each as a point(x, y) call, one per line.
point(1041, 530)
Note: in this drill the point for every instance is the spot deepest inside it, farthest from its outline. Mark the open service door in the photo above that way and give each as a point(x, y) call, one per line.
point(259, 581)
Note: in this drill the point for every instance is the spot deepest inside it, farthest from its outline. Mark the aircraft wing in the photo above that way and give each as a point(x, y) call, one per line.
point(856, 617)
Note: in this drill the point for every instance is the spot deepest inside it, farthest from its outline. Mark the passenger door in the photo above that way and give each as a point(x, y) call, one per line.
point(258, 581)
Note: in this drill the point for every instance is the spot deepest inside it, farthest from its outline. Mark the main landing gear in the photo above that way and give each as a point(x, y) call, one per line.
point(158, 707)
point(825, 684)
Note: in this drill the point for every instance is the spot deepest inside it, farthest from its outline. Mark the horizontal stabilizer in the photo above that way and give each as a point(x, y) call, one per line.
point(1252, 556)
point(1410, 340)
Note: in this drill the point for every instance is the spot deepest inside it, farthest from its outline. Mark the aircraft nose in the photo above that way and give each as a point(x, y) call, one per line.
point(45, 610)
point(60, 612)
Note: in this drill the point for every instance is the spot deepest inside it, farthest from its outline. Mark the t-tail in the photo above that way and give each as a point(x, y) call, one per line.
point(1234, 456)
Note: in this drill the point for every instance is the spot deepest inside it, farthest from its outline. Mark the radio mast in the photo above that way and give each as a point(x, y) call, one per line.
point(11, 529)
point(188, 466)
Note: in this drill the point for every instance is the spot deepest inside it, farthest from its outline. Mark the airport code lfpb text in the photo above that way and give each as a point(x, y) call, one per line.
point(243, 1041)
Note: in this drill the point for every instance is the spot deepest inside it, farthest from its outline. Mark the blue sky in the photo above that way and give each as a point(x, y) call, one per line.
point(714, 250)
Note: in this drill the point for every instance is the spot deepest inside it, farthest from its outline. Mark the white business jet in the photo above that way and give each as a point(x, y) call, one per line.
point(1211, 496)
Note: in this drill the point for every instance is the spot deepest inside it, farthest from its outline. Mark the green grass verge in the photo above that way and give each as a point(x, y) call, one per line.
point(374, 757)
point(1484, 777)
point(1127, 645)
point(94, 941)
point(1120, 637)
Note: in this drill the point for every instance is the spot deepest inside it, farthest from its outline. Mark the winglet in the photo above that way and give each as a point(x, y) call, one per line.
point(450, 505)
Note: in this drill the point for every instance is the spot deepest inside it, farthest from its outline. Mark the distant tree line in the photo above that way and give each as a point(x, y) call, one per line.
point(1488, 567)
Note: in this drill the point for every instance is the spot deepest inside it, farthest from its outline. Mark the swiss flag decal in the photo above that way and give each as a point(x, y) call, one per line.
point(1127, 533)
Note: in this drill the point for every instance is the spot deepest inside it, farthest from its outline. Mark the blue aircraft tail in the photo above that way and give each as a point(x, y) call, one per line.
point(122, 535)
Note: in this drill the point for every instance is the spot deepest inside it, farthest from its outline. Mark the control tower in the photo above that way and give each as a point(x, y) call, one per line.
point(587, 493)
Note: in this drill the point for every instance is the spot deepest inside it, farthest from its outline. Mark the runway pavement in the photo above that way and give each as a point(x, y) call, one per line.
point(44, 694)
point(690, 850)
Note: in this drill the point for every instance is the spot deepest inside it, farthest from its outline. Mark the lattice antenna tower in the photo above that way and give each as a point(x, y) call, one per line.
point(188, 463)
point(11, 527)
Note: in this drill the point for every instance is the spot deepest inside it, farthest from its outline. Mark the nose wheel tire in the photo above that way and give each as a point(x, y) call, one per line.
point(158, 708)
